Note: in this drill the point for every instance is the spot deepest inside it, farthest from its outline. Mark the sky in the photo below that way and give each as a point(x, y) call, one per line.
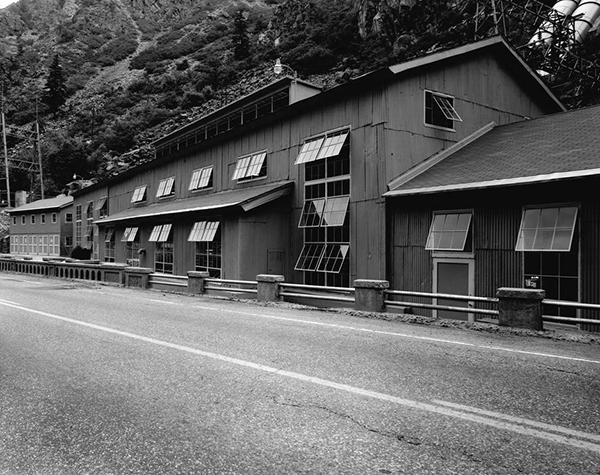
point(4, 3)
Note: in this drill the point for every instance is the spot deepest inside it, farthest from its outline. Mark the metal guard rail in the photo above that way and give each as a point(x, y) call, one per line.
point(569, 304)
point(317, 296)
point(226, 288)
point(467, 298)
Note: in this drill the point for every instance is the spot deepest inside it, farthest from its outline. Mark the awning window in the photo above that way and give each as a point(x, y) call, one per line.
point(547, 229)
point(201, 178)
point(109, 234)
point(312, 213)
point(249, 166)
point(139, 194)
point(333, 258)
point(100, 203)
point(165, 187)
point(310, 256)
point(448, 232)
point(446, 107)
point(160, 233)
point(329, 145)
point(324, 212)
point(129, 235)
point(204, 231)
point(309, 151)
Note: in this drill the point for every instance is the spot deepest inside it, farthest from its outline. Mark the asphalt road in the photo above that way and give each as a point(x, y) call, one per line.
point(106, 380)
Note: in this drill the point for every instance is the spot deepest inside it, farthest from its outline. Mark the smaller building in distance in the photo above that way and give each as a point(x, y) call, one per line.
point(42, 228)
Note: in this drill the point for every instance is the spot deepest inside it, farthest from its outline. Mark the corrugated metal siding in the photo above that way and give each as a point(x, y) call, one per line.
point(497, 264)
point(589, 282)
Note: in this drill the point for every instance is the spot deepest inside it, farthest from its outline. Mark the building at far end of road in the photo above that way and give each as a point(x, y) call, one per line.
point(42, 228)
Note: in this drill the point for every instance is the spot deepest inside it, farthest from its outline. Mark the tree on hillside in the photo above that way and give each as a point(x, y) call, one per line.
point(241, 43)
point(55, 92)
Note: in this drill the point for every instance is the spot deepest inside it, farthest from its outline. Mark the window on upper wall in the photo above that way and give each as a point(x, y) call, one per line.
point(165, 187)
point(440, 111)
point(43, 218)
point(101, 207)
point(14, 220)
point(32, 219)
point(68, 217)
point(324, 146)
point(23, 219)
point(450, 232)
point(54, 217)
point(547, 229)
point(139, 194)
point(249, 167)
point(201, 179)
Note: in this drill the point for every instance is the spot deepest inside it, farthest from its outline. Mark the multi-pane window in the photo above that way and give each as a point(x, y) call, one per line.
point(54, 245)
point(102, 207)
point(440, 111)
point(201, 179)
point(139, 194)
point(14, 220)
point(23, 219)
point(207, 236)
point(324, 258)
point(163, 253)
point(78, 218)
point(165, 187)
point(449, 232)
point(132, 246)
point(54, 218)
point(68, 217)
point(549, 238)
point(89, 225)
point(32, 217)
point(109, 245)
point(547, 229)
point(329, 145)
point(43, 218)
point(251, 166)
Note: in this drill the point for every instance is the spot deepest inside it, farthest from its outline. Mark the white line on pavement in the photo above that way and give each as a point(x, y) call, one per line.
point(403, 335)
point(470, 414)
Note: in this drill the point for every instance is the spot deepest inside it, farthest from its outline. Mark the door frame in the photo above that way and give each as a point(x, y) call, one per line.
point(469, 260)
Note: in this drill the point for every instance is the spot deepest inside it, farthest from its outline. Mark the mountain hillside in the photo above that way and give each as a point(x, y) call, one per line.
point(104, 78)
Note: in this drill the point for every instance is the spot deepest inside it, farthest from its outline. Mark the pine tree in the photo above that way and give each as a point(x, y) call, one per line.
point(241, 43)
point(55, 92)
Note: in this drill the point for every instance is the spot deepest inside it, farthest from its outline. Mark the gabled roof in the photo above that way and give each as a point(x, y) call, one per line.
point(502, 50)
point(550, 148)
point(246, 198)
point(47, 204)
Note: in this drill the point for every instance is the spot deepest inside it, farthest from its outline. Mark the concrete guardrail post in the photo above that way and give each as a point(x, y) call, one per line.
point(520, 308)
point(196, 281)
point(138, 277)
point(268, 287)
point(369, 295)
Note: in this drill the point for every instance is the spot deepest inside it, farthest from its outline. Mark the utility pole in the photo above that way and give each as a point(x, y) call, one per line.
point(5, 151)
point(39, 149)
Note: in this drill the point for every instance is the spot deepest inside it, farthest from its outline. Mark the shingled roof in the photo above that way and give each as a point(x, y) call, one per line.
point(553, 147)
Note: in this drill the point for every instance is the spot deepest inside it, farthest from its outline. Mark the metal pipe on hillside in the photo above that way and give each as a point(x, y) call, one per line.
point(585, 15)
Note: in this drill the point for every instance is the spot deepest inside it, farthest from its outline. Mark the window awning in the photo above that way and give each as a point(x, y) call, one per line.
point(246, 198)
point(547, 229)
point(204, 231)
point(100, 203)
